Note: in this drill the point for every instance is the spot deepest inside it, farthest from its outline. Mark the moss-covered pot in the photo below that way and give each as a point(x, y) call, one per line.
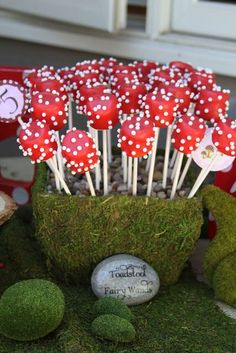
point(76, 233)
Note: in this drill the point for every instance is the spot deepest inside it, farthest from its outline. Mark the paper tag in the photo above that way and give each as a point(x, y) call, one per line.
point(12, 101)
point(206, 151)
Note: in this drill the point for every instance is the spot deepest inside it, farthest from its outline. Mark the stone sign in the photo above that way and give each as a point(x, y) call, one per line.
point(125, 277)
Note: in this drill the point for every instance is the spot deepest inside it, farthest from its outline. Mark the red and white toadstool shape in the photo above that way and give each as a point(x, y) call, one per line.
point(103, 112)
point(212, 105)
point(161, 109)
point(87, 91)
point(145, 69)
point(80, 154)
point(130, 96)
point(38, 142)
point(188, 132)
point(181, 92)
point(135, 138)
point(50, 109)
point(224, 139)
point(199, 80)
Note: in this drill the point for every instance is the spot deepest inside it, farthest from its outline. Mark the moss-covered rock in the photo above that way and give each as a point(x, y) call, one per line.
point(77, 233)
point(31, 309)
point(223, 207)
point(109, 305)
point(224, 280)
point(113, 328)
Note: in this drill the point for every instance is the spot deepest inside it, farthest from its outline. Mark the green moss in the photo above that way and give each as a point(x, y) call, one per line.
point(40, 180)
point(22, 249)
point(31, 309)
point(25, 213)
point(109, 305)
point(113, 328)
point(224, 280)
point(223, 207)
point(77, 233)
point(169, 323)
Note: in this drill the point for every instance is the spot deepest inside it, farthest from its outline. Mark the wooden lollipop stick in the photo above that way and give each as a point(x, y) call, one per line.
point(56, 172)
point(59, 156)
point(184, 173)
point(21, 122)
point(124, 159)
point(98, 167)
point(152, 164)
point(167, 155)
point(173, 158)
point(179, 161)
point(124, 165)
point(57, 181)
point(202, 176)
point(109, 146)
point(174, 167)
point(105, 164)
point(90, 184)
point(130, 162)
point(70, 112)
point(135, 176)
point(148, 163)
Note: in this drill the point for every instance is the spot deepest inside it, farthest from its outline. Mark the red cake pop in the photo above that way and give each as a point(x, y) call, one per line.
point(79, 151)
point(125, 69)
point(164, 75)
point(87, 91)
point(52, 84)
point(224, 136)
point(212, 105)
point(224, 139)
point(103, 114)
point(182, 66)
point(160, 109)
point(106, 67)
point(87, 65)
point(120, 78)
point(145, 68)
point(130, 96)
point(136, 136)
point(80, 79)
point(188, 131)
point(37, 141)
point(49, 108)
point(181, 92)
point(103, 111)
point(198, 81)
point(65, 73)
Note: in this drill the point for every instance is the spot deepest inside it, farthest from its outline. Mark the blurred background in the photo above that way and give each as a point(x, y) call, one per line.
point(62, 32)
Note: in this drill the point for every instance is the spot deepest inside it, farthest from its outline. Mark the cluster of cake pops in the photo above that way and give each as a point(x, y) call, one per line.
point(140, 99)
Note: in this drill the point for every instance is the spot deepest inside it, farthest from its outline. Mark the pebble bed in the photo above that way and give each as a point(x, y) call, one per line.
point(78, 184)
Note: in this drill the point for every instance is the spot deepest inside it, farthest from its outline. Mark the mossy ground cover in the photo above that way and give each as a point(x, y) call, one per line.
point(77, 233)
point(181, 319)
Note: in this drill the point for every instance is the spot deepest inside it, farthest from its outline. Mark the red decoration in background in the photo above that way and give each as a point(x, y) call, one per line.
point(10, 130)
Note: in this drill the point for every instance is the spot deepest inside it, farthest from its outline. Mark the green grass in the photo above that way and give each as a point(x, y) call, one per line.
point(182, 318)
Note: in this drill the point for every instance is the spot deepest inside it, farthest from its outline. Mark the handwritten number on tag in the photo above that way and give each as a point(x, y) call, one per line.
point(4, 99)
